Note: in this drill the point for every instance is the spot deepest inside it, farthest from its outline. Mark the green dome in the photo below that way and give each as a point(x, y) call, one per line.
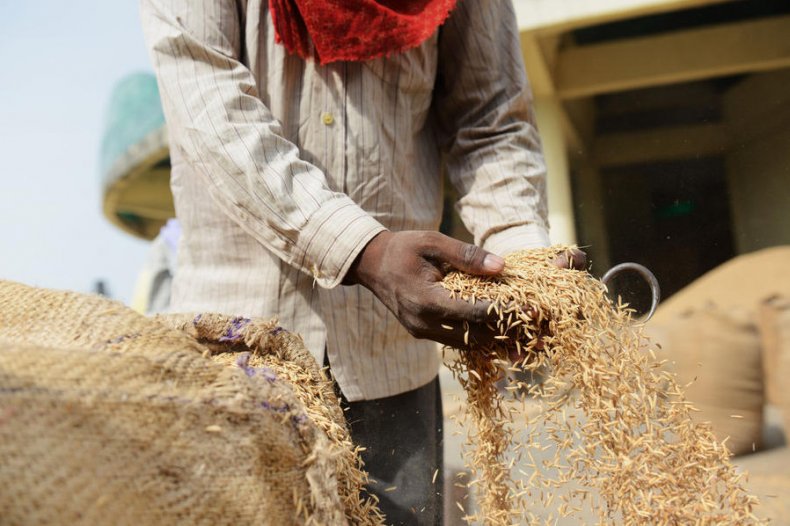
point(135, 159)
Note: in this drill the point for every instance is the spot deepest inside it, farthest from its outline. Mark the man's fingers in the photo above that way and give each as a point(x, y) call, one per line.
point(464, 324)
point(462, 336)
point(466, 258)
point(439, 305)
point(575, 259)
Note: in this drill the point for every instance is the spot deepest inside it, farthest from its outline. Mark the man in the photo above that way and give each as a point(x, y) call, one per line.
point(306, 143)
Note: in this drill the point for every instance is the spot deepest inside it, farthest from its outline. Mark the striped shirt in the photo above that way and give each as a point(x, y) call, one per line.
point(283, 169)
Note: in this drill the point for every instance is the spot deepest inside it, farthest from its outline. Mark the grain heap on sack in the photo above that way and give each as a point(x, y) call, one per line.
point(109, 417)
point(264, 348)
point(634, 457)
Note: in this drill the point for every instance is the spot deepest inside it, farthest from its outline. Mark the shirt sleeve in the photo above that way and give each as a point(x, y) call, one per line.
point(486, 126)
point(224, 131)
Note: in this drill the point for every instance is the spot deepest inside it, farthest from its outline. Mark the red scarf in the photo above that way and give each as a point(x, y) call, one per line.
point(355, 30)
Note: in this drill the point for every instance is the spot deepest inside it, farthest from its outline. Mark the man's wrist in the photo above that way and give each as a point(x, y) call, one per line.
point(517, 237)
point(363, 268)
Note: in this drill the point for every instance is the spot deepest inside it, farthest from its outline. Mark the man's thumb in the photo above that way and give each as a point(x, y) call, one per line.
point(473, 259)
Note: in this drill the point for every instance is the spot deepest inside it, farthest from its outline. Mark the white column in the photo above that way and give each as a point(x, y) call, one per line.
point(548, 113)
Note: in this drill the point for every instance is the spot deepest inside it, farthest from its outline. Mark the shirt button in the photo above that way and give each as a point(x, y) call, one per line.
point(327, 118)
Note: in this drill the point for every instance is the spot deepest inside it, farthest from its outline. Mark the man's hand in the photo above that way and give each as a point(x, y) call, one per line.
point(404, 271)
point(575, 259)
point(572, 259)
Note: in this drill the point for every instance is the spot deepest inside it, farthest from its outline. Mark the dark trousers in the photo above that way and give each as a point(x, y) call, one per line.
point(402, 435)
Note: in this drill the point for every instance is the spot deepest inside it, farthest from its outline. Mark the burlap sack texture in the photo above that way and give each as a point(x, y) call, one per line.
point(717, 353)
point(756, 285)
point(774, 322)
point(742, 282)
point(109, 417)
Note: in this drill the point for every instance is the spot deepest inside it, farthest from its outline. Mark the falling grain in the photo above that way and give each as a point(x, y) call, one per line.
point(637, 446)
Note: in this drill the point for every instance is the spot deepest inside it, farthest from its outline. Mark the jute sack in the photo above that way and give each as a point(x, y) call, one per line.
point(784, 372)
point(265, 349)
point(108, 417)
point(742, 282)
point(718, 353)
point(783, 366)
point(773, 319)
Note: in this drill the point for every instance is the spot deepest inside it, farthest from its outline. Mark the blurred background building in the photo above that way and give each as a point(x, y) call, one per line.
point(666, 127)
point(135, 159)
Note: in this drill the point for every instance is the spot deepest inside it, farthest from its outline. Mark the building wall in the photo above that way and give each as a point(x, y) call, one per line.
point(555, 152)
point(758, 163)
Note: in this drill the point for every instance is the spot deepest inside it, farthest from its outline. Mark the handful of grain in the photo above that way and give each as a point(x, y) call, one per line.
point(635, 458)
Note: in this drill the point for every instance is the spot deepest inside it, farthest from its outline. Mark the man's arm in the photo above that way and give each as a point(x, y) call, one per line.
point(483, 107)
point(256, 176)
point(224, 131)
point(485, 120)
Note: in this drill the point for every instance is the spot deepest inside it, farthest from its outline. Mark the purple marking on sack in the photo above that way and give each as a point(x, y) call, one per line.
point(277, 330)
point(232, 334)
point(279, 409)
point(239, 322)
point(196, 320)
point(243, 361)
point(268, 373)
point(123, 337)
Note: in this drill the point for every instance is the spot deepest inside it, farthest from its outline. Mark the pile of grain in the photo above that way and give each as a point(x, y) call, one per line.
point(635, 457)
point(262, 347)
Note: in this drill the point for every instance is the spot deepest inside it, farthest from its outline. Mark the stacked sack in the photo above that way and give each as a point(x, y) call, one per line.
point(109, 417)
point(728, 333)
point(773, 320)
